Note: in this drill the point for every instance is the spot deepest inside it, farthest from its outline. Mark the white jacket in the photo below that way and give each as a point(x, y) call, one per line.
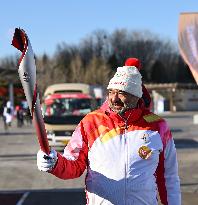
point(127, 161)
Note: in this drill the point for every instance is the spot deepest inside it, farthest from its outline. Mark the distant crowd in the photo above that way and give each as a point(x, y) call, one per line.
point(20, 112)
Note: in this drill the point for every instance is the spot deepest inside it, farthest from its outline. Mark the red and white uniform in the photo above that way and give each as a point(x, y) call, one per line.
point(127, 161)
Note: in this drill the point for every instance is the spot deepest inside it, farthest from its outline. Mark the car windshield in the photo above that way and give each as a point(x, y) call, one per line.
point(66, 106)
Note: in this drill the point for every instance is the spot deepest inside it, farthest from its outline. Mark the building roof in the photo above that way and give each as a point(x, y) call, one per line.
point(161, 86)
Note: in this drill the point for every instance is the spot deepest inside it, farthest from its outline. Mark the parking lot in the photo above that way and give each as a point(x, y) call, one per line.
point(21, 183)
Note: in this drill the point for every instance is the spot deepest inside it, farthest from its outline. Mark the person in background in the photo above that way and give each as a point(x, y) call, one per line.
point(128, 151)
point(19, 116)
point(7, 114)
point(3, 104)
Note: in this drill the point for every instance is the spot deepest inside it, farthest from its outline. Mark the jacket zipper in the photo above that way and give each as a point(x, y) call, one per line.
point(126, 158)
point(126, 154)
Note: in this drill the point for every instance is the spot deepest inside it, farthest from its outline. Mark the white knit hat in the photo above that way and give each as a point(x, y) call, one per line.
point(128, 78)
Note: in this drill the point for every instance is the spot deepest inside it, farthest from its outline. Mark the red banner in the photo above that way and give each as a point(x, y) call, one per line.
point(188, 41)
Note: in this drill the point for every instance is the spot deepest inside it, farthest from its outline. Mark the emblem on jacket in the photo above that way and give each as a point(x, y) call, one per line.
point(145, 137)
point(144, 152)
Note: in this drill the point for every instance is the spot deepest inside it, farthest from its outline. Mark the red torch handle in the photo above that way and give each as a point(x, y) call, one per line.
point(40, 129)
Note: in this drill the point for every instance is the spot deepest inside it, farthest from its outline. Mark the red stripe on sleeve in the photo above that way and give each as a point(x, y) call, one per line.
point(160, 179)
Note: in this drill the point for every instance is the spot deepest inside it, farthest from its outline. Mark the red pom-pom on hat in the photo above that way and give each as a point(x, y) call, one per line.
point(133, 62)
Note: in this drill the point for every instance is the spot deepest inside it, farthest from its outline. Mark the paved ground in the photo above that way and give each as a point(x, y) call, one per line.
point(22, 184)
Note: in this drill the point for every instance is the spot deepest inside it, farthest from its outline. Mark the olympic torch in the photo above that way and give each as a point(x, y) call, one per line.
point(27, 75)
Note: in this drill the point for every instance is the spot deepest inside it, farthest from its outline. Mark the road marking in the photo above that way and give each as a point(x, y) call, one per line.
point(22, 199)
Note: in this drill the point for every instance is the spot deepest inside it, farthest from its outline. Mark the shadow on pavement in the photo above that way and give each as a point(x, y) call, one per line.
point(176, 130)
point(15, 133)
point(175, 115)
point(10, 198)
point(44, 197)
point(63, 196)
point(185, 143)
point(189, 184)
point(17, 155)
point(70, 197)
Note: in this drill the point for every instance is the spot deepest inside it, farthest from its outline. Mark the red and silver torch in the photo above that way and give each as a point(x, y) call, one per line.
point(27, 74)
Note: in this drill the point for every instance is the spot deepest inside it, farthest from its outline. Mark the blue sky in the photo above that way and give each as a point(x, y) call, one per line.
point(49, 23)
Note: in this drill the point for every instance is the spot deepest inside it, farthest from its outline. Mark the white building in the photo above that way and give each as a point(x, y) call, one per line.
point(174, 96)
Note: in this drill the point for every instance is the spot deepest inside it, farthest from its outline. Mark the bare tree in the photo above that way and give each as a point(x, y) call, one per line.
point(9, 62)
point(77, 70)
point(97, 72)
point(95, 45)
point(98, 55)
point(63, 57)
